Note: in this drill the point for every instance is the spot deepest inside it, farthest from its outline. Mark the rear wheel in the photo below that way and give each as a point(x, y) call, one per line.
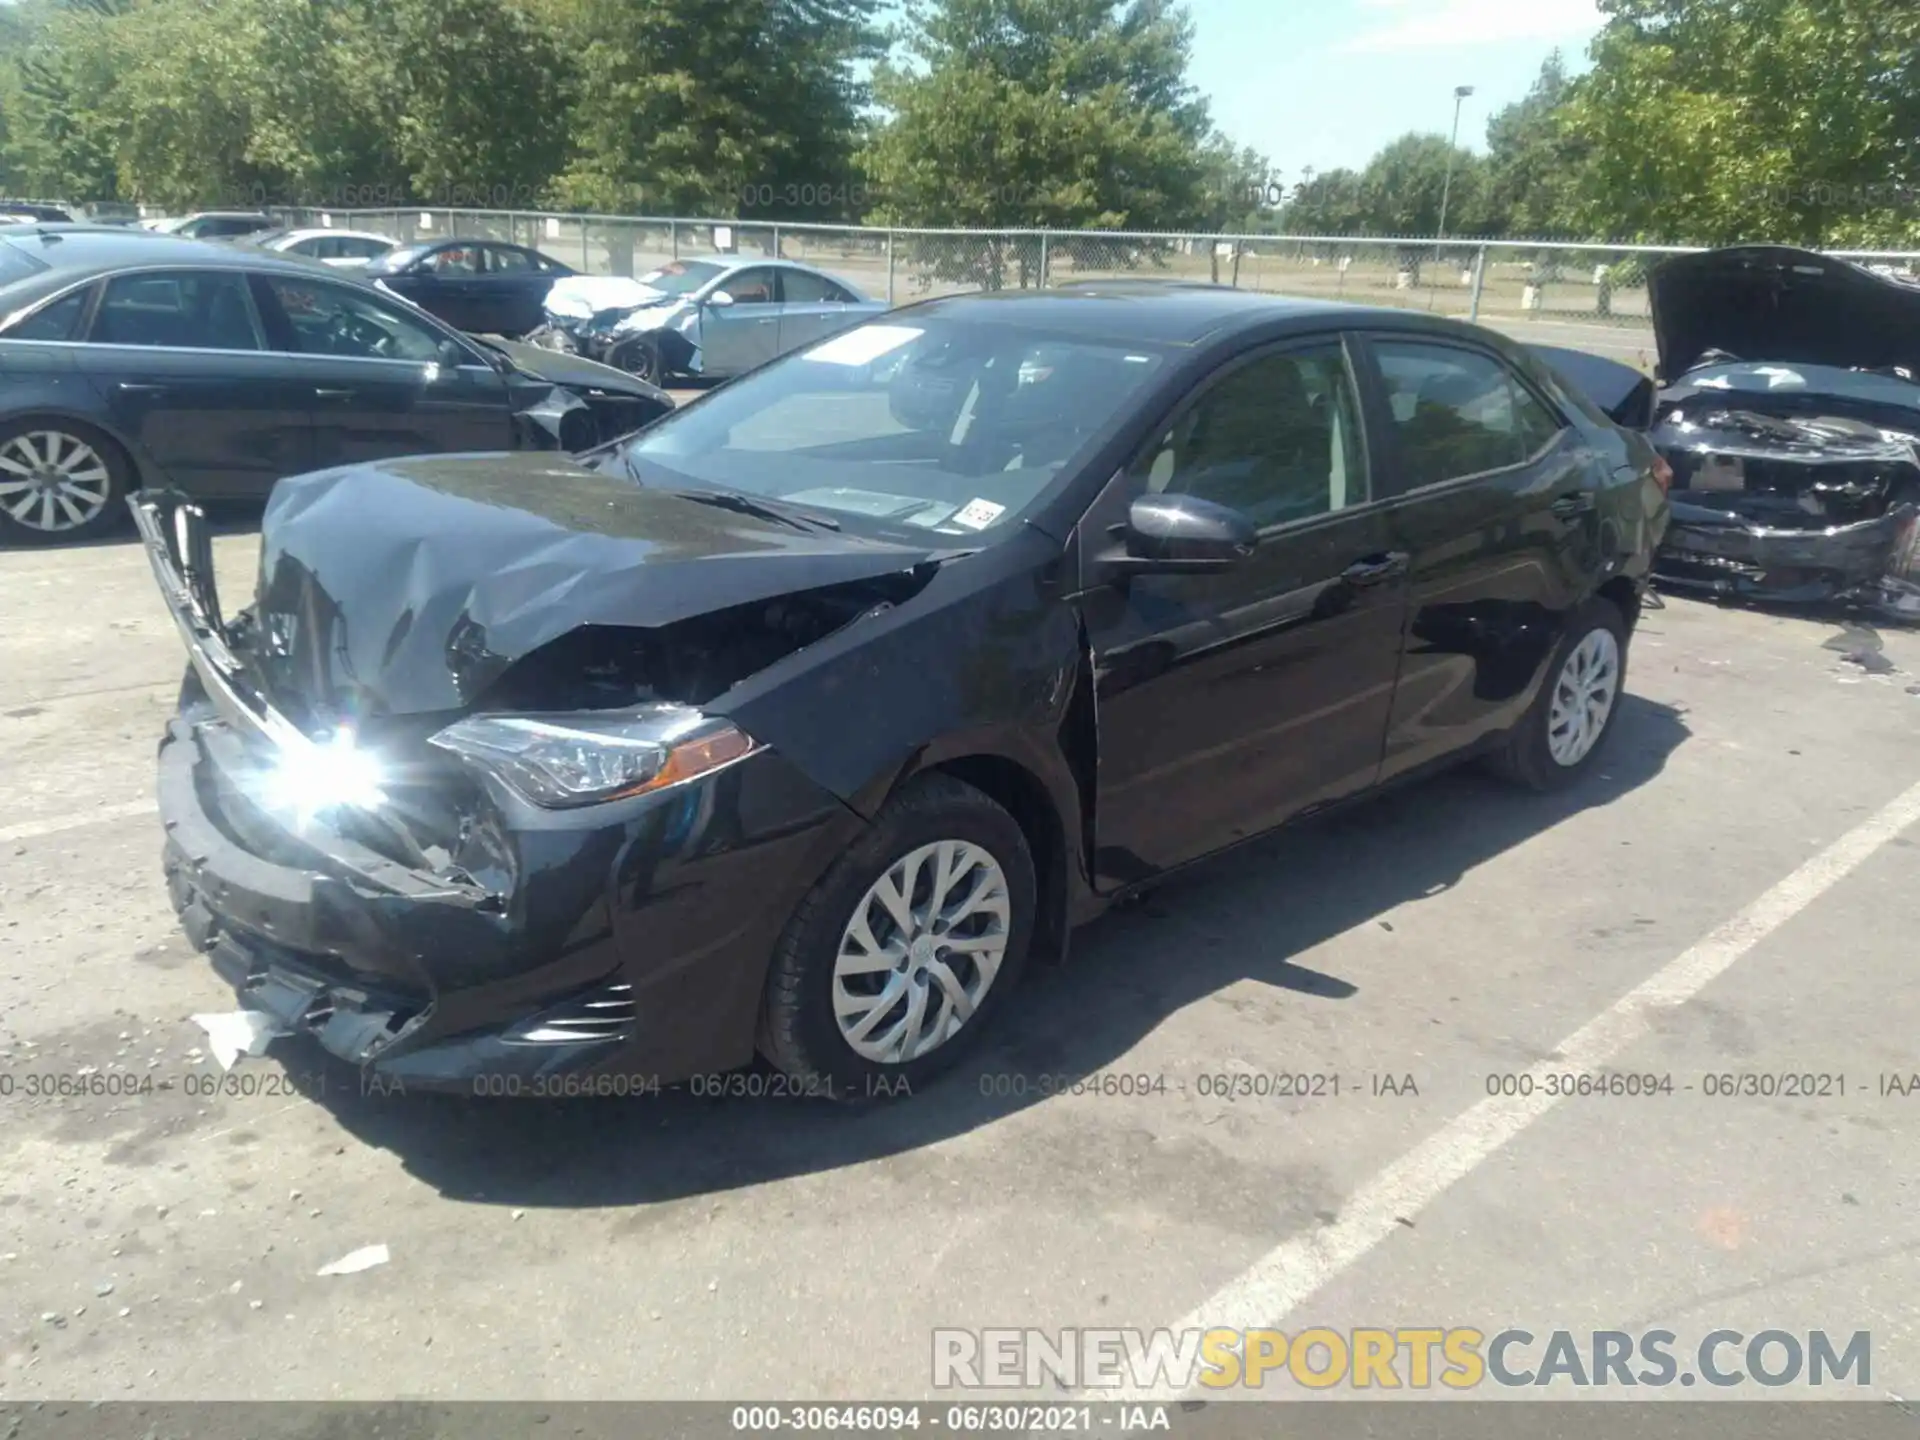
point(1571, 719)
point(897, 960)
point(59, 481)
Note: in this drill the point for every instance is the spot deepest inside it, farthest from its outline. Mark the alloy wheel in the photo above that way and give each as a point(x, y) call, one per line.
point(52, 481)
point(1583, 697)
point(921, 951)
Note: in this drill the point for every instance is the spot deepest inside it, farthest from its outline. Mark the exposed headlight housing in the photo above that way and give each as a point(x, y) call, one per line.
point(561, 761)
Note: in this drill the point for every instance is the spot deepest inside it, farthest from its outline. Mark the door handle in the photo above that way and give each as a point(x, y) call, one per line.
point(1567, 507)
point(325, 394)
point(136, 387)
point(1373, 569)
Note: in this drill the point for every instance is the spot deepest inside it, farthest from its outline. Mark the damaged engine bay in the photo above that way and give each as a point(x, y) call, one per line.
point(1796, 469)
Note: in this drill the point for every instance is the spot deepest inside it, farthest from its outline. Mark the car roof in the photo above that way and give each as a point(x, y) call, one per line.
point(77, 252)
point(1173, 312)
point(310, 231)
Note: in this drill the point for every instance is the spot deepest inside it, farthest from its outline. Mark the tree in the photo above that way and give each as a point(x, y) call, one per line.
point(683, 106)
point(1723, 120)
point(1405, 187)
point(1329, 203)
point(1533, 160)
point(481, 90)
point(1048, 113)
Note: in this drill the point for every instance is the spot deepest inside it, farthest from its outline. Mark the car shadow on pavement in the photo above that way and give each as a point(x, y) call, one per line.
point(1242, 916)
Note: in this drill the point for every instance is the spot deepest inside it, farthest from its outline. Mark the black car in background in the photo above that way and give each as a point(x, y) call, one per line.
point(798, 720)
point(485, 287)
point(133, 359)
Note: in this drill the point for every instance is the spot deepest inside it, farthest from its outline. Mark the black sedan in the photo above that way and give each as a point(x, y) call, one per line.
point(486, 287)
point(802, 719)
point(135, 359)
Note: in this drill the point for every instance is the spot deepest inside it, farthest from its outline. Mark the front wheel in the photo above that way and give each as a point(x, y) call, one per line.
point(642, 359)
point(900, 956)
point(59, 481)
point(1571, 719)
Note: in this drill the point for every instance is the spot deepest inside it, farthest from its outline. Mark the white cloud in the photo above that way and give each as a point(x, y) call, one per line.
point(1431, 24)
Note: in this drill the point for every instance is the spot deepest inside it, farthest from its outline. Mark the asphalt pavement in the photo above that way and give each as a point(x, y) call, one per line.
point(1732, 896)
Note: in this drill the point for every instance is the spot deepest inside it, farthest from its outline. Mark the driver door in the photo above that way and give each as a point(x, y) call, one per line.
point(735, 338)
point(376, 383)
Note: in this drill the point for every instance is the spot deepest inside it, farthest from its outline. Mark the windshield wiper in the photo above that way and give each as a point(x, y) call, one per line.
point(756, 506)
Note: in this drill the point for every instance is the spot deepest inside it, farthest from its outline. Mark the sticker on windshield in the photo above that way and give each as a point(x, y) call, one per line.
point(978, 514)
point(858, 347)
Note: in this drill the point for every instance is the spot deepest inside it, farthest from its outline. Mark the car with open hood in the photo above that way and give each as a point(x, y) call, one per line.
point(711, 318)
point(799, 721)
point(1790, 413)
point(135, 359)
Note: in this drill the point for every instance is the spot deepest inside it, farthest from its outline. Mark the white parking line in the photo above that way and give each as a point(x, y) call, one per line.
point(1291, 1273)
point(54, 824)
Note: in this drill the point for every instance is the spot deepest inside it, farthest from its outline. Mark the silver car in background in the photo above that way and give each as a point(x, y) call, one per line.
point(710, 318)
point(348, 250)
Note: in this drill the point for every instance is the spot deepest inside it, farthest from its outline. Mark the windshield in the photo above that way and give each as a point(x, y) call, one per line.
point(937, 424)
point(682, 277)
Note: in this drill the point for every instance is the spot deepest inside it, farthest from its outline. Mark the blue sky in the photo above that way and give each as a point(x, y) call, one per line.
point(1325, 83)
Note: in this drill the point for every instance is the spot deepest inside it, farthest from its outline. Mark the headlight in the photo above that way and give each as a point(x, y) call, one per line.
point(560, 761)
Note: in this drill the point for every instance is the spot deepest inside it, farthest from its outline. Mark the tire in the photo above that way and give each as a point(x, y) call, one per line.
point(800, 1030)
point(642, 360)
point(1540, 752)
point(60, 481)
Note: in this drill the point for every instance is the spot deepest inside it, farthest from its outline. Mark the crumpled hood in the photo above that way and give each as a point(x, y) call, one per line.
point(1778, 303)
point(408, 587)
point(577, 372)
point(578, 296)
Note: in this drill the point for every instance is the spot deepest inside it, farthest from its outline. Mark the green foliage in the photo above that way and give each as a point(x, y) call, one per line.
point(1050, 113)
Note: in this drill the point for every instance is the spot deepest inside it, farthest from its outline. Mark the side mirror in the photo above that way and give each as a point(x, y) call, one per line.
point(720, 298)
point(1181, 535)
point(453, 354)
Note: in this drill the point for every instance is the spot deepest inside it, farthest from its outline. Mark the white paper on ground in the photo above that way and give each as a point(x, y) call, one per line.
point(365, 1258)
point(234, 1033)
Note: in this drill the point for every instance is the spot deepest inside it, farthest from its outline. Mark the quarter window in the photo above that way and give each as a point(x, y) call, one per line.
point(1457, 413)
point(1278, 440)
point(52, 322)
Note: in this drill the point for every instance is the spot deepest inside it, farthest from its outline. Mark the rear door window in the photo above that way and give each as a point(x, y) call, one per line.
point(185, 310)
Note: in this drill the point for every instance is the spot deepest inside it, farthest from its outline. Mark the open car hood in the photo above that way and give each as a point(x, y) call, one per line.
point(410, 587)
point(1777, 303)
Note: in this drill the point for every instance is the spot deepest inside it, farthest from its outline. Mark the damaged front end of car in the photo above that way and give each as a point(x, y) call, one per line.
point(1796, 469)
point(1791, 510)
point(450, 795)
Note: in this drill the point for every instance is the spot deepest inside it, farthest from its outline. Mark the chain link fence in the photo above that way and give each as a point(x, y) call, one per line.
point(1529, 287)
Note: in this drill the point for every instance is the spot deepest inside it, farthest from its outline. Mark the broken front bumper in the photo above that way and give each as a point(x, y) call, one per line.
point(1721, 553)
point(622, 940)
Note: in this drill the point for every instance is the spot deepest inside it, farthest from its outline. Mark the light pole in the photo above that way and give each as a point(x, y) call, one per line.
point(1460, 94)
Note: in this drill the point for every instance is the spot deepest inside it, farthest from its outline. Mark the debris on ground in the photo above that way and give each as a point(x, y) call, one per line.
point(364, 1258)
point(233, 1033)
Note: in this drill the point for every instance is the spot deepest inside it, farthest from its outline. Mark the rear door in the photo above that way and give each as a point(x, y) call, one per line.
point(376, 381)
point(811, 308)
point(1493, 497)
point(1228, 703)
point(447, 282)
point(735, 338)
point(515, 286)
point(180, 359)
